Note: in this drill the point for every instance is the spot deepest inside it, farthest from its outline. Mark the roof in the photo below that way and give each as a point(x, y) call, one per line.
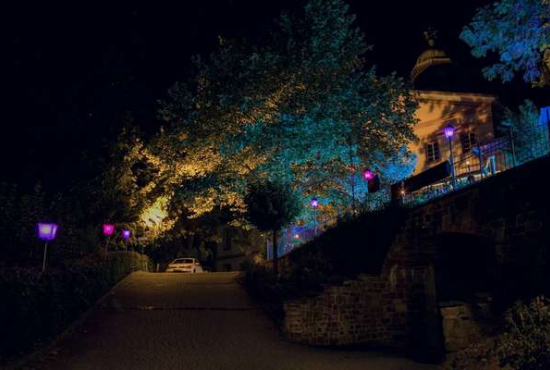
point(455, 96)
point(428, 58)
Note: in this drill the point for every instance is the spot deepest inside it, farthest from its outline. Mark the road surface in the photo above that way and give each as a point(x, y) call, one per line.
point(203, 321)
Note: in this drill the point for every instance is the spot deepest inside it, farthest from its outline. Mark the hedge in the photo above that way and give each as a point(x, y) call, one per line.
point(35, 307)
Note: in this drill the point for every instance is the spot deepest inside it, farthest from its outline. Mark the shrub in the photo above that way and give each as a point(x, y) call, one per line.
point(35, 306)
point(525, 345)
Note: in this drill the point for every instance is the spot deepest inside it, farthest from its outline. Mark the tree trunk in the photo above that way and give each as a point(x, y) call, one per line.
point(275, 257)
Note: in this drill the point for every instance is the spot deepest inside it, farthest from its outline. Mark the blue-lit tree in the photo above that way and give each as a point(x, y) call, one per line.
point(303, 107)
point(518, 31)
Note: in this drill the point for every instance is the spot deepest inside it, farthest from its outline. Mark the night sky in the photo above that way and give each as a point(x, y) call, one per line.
point(72, 75)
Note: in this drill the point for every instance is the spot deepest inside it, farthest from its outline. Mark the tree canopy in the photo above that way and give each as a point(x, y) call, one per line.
point(519, 32)
point(303, 107)
point(271, 205)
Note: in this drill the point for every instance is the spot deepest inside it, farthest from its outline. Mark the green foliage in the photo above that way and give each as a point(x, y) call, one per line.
point(271, 205)
point(525, 345)
point(303, 107)
point(519, 32)
point(115, 192)
point(35, 306)
point(123, 189)
point(20, 214)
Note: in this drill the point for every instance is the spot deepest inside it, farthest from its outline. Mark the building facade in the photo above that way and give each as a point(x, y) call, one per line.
point(470, 114)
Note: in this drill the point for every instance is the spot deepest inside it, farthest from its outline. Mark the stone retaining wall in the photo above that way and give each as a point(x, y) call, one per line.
point(460, 329)
point(357, 312)
point(370, 310)
point(399, 307)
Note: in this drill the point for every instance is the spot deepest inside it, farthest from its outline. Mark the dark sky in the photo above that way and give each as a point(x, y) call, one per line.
point(72, 74)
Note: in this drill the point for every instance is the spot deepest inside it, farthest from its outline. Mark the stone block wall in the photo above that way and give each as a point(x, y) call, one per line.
point(373, 310)
point(347, 314)
point(399, 307)
point(460, 329)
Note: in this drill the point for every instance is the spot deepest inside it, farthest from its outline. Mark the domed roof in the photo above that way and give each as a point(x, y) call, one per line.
point(430, 57)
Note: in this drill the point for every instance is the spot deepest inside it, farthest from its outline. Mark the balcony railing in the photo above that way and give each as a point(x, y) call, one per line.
point(485, 160)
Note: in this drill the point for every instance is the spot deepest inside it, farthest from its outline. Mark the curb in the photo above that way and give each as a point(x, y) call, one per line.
point(47, 348)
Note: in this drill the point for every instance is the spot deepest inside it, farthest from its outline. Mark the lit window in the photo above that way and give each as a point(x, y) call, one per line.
point(432, 152)
point(468, 141)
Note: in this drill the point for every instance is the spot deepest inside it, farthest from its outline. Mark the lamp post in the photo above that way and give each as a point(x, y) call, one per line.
point(46, 232)
point(126, 235)
point(108, 230)
point(368, 175)
point(449, 132)
point(314, 204)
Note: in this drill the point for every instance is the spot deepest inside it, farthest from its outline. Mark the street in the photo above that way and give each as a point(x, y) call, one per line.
point(202, 321)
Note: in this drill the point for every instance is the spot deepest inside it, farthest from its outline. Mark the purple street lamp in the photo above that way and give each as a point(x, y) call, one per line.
point(46, 232)
point(449, 132)
point(315, 204)
point(126, 234)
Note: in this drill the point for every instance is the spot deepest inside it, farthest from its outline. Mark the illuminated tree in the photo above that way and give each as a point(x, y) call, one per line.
point(271, 206)
point(126, 181)
point(303, 107)
point(519, 32)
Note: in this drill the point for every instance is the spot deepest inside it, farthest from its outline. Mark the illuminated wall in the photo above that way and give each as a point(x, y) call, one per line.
point(469, 113)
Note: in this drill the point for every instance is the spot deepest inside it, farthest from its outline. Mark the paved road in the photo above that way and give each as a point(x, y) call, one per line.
point(206, 321)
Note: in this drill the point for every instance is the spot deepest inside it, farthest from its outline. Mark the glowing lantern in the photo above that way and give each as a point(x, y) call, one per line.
point(314, 202)
point(47, 231)
point(108, 229)
point(449, 132)
point(126, 234)
point(368, 174)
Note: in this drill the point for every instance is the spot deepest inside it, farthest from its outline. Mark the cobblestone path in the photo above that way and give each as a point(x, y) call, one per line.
point(203, 321)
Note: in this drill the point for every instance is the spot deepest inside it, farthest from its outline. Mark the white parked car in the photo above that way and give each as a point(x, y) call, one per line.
point(188, 265)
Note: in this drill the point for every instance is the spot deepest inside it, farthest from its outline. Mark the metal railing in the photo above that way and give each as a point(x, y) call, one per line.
point(486, 160)
point(294, 236)
point(483, 161)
